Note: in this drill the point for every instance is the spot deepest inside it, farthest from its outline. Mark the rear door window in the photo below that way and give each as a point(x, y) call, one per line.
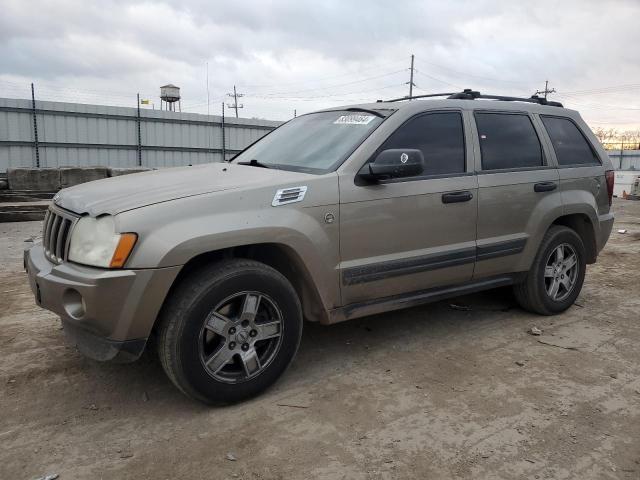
point(508, 141)
point(569, 143)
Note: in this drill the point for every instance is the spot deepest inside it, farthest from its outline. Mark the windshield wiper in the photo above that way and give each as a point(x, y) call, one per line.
point(254, 163)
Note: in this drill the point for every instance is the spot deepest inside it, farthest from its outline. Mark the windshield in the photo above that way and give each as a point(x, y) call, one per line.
point(314, 143)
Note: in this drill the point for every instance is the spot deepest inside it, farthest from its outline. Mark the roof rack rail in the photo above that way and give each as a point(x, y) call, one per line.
point(468, 94)
point(399, 99)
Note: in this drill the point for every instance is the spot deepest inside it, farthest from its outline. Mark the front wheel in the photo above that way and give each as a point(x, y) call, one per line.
point(229, 331)
point(557, 274)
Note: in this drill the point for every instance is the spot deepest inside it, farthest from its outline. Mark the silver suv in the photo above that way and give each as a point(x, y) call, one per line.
point(335, 215)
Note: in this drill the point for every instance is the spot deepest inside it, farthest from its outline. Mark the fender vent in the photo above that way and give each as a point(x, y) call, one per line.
point(289, 195)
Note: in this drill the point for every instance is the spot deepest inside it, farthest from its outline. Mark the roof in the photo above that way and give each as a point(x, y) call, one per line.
point(462, 104)
point(469, 100)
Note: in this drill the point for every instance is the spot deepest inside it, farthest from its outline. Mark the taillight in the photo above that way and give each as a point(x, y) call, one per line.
point(610, 177)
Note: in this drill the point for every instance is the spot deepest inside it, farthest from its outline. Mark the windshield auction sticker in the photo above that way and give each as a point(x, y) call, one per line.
point(354, 119)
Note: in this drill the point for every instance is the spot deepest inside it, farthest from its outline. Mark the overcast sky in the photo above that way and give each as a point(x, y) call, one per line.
point(292, 54)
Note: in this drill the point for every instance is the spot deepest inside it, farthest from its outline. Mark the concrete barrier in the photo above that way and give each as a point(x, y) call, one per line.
point(53, 179)
point(70, 176)
point(23, 178)
point(116, 172)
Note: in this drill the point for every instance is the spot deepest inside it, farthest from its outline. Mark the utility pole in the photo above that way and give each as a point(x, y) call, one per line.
point(207, 88)
point(139, 134)
point(546, 90)
point(224, 153)
point(235, 96)
point(35, 126)
point(410, 82)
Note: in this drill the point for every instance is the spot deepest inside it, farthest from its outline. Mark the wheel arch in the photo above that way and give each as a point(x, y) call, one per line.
point(278, 256)
point(581, 223)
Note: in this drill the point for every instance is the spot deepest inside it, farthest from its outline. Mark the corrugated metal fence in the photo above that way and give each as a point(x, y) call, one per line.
point(625, 159)
point(72, 134)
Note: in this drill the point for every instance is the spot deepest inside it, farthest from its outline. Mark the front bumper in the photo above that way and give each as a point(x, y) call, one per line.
point(107, 314)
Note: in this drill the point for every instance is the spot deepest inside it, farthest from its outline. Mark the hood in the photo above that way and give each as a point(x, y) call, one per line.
point(127, 192)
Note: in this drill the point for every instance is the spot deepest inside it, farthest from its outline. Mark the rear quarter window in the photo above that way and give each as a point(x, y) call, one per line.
point(569, 143)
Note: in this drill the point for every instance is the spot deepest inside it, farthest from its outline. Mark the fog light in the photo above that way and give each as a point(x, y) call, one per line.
point(74, 303)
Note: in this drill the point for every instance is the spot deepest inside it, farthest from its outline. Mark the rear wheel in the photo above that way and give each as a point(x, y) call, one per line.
point(557, 274)
point(229, 331)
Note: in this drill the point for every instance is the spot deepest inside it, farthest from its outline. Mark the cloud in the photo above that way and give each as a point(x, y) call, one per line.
point(287, 55)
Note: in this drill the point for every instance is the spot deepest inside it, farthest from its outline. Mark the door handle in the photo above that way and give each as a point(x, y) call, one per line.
point(545, 186)
point(456, 197)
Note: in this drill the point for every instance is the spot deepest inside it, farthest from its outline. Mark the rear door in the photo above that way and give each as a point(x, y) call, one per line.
point(411, 234)
point(517, 191)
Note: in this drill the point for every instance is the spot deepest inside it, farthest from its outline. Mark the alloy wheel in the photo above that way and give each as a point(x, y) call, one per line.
point(240, 337)
point(561, 272)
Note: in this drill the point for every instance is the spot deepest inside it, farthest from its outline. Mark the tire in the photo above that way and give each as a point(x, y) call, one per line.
point(229, 330)
point(536, 293)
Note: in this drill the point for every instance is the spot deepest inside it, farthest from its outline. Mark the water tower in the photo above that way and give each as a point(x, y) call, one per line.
point(169, 95)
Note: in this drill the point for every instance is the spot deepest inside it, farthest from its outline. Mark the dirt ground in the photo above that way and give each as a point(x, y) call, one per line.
point(433, 392)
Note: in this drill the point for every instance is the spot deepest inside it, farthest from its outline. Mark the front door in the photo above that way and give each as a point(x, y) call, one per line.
point(411, 234)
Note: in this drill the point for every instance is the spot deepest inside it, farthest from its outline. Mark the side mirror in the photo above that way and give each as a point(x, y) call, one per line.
point(393, 163)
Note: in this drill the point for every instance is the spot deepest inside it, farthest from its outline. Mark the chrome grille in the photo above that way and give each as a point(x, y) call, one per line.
point(55, 234)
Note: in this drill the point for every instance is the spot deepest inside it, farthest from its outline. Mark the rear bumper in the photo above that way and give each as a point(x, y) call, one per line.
point(606, 225)
point(107, 314)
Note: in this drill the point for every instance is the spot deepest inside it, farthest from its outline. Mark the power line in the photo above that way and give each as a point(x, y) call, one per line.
point(73, 91)
point(600, 105)
point(419, 72)
point(339, 84)
point(466, 74)
point(332, 93)
point(285, 96)
point(331, 77)
point(604, 90)
point(313, 97)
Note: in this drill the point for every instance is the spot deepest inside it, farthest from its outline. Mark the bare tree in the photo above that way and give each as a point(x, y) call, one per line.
point(613, 139)
point(608, 137)
point(631, 139)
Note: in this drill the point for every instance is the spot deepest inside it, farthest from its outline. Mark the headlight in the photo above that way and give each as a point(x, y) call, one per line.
point(94, 242)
